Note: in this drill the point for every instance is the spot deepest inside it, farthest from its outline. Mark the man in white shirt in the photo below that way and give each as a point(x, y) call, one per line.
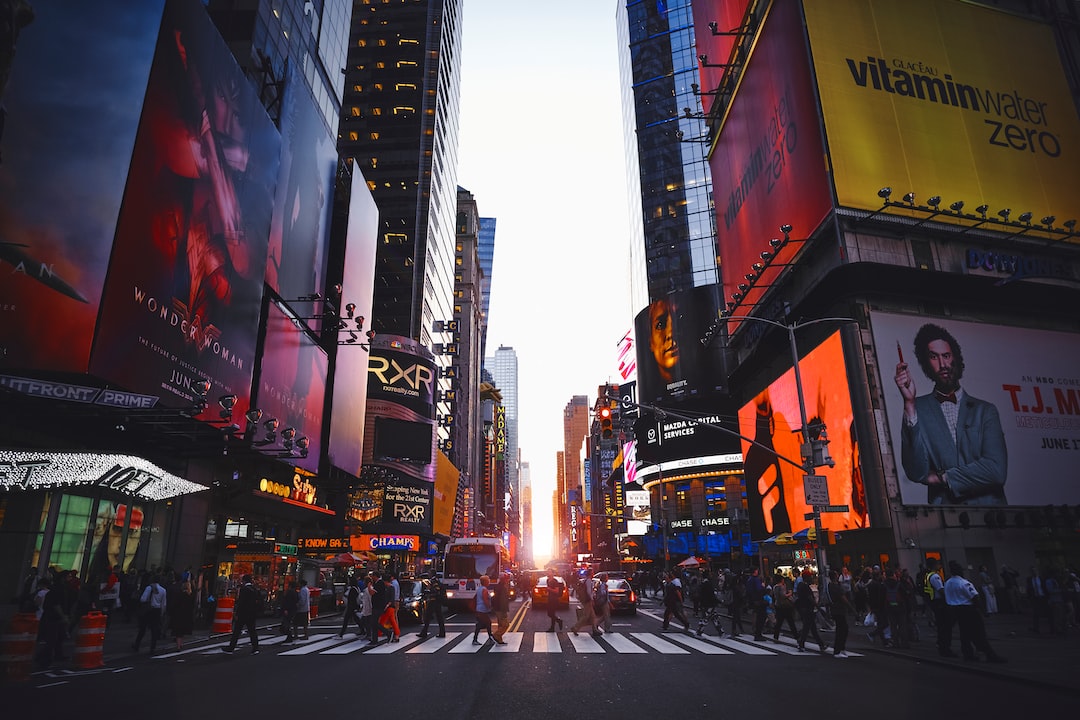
point(152, 611)
point(960, 595)
point(303, 610)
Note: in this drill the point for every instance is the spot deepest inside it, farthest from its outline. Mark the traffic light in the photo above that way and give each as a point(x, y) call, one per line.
point(606, 430)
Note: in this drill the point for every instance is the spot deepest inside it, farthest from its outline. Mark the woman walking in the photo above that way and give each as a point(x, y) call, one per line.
point(483, 610)
point(182, 614)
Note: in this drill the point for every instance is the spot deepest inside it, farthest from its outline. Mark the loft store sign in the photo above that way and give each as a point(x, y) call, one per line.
point(125, 474)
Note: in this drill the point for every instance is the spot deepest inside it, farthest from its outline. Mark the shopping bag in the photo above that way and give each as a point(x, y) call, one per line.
point(869, 620)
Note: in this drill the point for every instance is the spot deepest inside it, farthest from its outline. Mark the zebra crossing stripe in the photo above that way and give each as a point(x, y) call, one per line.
point(432, 645)
point(585, 644)
point(467, 646)
point(658, 643)
point(546, 643)
point(622, 644)
point(513, 643)
point(745, 648)
point(317, 643)
point(388, 648)
point(350, 647)
point(700, 645)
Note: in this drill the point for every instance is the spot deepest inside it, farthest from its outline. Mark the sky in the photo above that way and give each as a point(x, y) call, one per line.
point(541, 150)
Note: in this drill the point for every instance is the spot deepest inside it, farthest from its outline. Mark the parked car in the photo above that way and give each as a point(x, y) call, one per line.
point(622, 596)
point(413, 602)
point(540, 593)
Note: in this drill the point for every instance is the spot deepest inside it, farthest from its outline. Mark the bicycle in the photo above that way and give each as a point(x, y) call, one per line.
point(712, 615)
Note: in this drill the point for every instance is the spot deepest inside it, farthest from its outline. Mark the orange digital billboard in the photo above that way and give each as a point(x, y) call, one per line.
point(774, 488)
point(923, 96)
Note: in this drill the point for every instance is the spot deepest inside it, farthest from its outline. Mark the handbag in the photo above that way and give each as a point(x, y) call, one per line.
point(870, 619)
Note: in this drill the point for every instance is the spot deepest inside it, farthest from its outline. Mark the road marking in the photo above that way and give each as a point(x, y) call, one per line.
point(700, 645)
point(738, 645)
point(585, 644)
point(434, 644)
point(622, 644)
point(546, 643)
point(513, 643)
point(388, 648)
point(350, 647)
point(658, 643)
point(317, 643)
point(467, 646)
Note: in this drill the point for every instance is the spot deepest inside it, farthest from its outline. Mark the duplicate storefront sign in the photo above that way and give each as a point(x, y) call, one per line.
point(125, 474)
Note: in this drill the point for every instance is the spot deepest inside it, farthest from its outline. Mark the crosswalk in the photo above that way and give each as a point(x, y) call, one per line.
point(461, 643)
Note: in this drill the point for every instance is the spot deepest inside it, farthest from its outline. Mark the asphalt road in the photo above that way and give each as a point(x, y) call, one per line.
point(636, 671)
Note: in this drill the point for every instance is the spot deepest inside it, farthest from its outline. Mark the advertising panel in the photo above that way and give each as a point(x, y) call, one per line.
point(774, 488)
point(351, 364)
point(716, 47)
point(672, 363)
point(292, 383)
point(920, 96)
point(67, 128)
point(447, 477)
point(767, 167)
point(300, 227)
point(1017, 411)
point(184, 291)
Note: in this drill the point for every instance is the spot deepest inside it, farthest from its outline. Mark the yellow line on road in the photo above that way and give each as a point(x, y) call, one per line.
point(519, 616)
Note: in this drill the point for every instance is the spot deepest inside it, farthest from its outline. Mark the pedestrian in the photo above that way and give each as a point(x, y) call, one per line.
point(52, 625)
point(388, 618)
point(961, 594)
point(352, 609)
point(738, 603)
point(934, 586)
point(988, 591)
point(380, 593)
point(1040, 607)
point(602, 604)
point(500, 605)
point(303, 609)
point(861, 597)
point(876, 601)
point(784, 603)
point(109, 595)
point(895, 609)
point(182, 614)
point(1055, 601)
point(840, 607)
point(152, 604)
point(366, 623)
point(673, 603)
point(483, 610)
point(290, 600)
point(755, 598)
point(434, 599)
point(584, 594)
point(806, 606)
point(245, 614)
point(555, 589)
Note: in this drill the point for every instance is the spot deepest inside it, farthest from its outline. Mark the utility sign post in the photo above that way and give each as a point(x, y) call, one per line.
point(816, 490)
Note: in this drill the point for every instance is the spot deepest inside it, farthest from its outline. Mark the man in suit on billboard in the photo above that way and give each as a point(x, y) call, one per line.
point(950, 441)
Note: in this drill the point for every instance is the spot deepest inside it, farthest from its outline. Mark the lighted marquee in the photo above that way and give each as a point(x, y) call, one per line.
point(126, 474)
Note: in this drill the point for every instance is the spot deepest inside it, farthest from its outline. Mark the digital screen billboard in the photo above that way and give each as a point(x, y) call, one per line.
point(351, 363)
point(767, 166)
point(922, 96)
point(672, 362)
point(1016, 414)
point(183, 296)
point(300, 226)
point(68, 120)
point(716, 47)
point(775, 496)
point(292, 382)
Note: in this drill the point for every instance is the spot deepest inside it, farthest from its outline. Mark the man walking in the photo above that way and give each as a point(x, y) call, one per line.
point(245, 614)
point(934, 586)
point(435, 598)
point(554, 597)
point(673, 603)
point(961, 594)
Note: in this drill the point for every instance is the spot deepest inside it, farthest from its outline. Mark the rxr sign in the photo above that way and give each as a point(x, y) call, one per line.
point(389, 373)
point(408, 513)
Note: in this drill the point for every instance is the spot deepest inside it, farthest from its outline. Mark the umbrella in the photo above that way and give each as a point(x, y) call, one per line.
point(346, 558)
point(781, 539)
point(805, 535)
point(691, 562)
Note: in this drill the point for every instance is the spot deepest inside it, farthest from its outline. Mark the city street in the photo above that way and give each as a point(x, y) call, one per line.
point(634, 669)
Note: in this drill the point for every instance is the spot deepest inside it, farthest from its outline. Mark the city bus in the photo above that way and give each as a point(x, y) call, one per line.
point(465, 560)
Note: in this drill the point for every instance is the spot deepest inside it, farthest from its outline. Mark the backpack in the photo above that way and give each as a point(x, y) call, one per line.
point(600, 594)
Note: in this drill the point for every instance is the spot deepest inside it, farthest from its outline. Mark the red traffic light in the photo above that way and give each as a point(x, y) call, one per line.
point(605, 413)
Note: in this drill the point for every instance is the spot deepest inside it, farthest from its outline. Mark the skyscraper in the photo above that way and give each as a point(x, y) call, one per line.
point(575, 429)
point(504, 370)
point(486, 249)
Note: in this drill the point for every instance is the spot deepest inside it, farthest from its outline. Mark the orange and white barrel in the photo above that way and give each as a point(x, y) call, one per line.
point(223, 616)
point(17, 647)
point(89, 641)
point(315, 594)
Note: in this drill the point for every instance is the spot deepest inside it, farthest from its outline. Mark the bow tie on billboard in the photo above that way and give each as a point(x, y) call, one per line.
point(945, 397)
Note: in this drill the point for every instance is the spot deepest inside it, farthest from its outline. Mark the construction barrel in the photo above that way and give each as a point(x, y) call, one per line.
point(89, 641)
point(17, 647)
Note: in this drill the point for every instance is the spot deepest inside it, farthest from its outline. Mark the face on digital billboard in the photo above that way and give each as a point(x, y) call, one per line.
point(775, 496)
point(994, 411)
point(767, 166)
point(67, 127)
point(672, 363)
point(920, 96)
point(292, 383)
point(182, 300)
point(300, 228)
point(350, 373)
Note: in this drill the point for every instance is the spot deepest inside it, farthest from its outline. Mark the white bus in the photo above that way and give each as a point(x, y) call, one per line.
point(466, 559)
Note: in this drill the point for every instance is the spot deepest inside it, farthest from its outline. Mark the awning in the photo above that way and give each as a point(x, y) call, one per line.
point(781, 539)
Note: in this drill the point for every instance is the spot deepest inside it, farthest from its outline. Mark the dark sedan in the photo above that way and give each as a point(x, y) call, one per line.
point(621, 596)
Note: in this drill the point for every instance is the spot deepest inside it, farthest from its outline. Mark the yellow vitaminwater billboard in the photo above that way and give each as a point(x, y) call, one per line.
point(945, 98)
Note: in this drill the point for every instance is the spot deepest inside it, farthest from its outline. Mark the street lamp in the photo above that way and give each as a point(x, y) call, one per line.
point(814, 450)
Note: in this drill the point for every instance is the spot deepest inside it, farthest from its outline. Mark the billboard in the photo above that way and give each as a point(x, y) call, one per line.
point(767, 167)
point(351, 363)
point(672, 363)
point(1017, 426)
point(67, 127)
point(300, 226)
point(920, 96)
point(775, 495)
point(183, 296)
point(292, 382)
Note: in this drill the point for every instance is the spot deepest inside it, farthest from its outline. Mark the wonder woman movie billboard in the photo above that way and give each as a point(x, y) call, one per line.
point(672, 362)
point(775, 495)
point(292, 383)
point(183, 295)
point(953, 99)
point(72, 81)
point(980, 414)
point(351, 364)
point(300, 228)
